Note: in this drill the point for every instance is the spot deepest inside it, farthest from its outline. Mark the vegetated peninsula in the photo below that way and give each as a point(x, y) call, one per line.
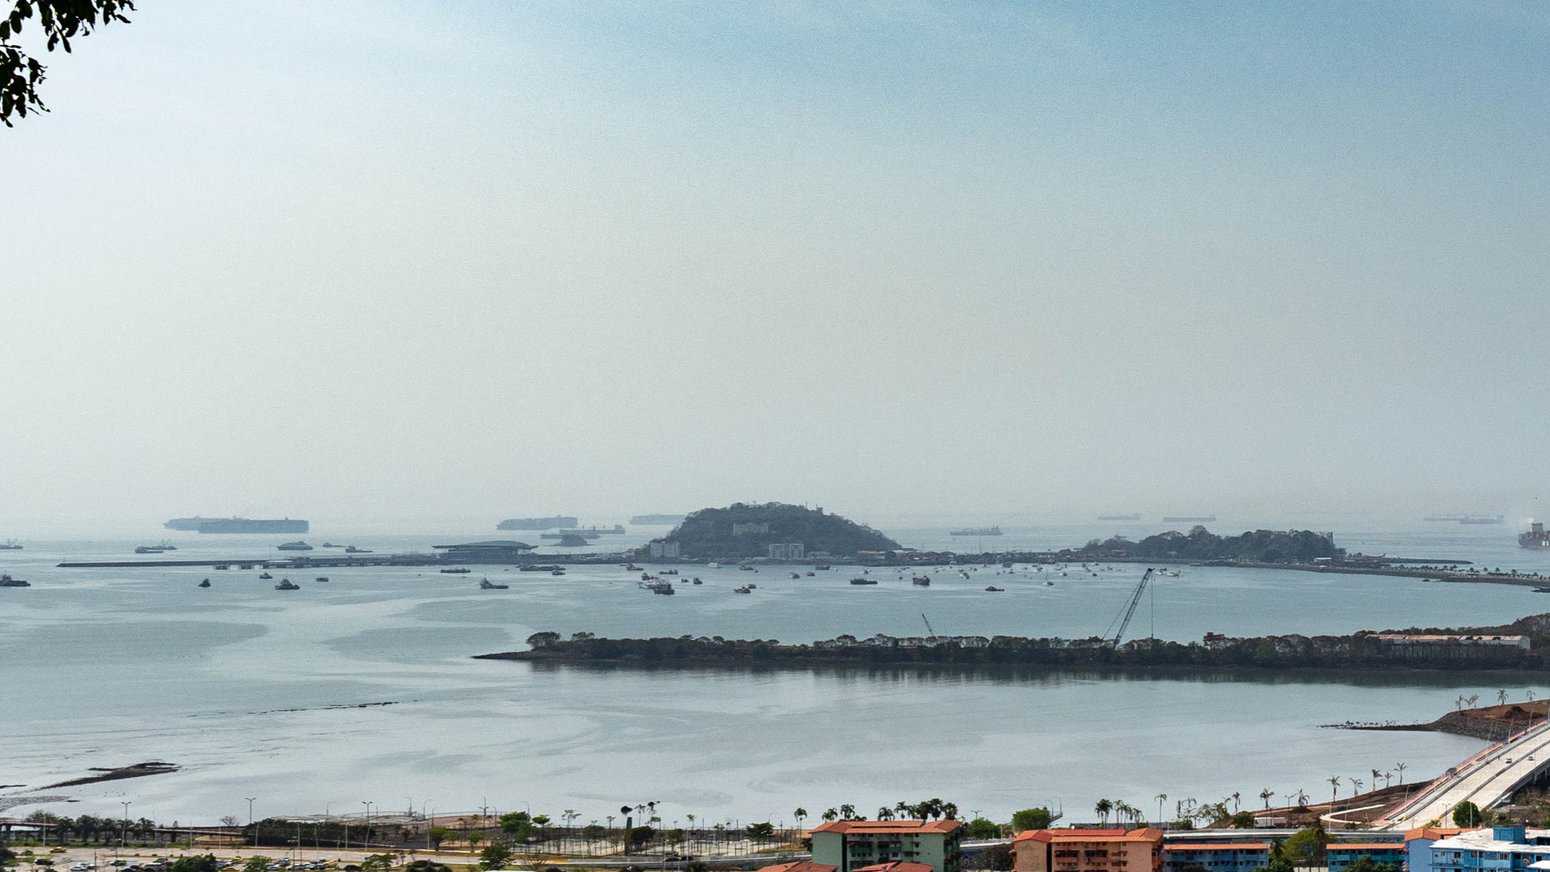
point(1200, 544)
point(747, 530)
point(1513, 646)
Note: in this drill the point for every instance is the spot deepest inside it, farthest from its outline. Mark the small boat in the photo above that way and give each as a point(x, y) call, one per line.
point(921, 580)
point(811, 574)
point(662, 587)
point(331, 545)
point(7, 581)
point(697, 580)
point(1049, 584)
point(205, 583)
point(287, 584)
point(150, 549)
point(540, 567)
point(744, 589)
point(351, 549)
point(630, 567)
point(796, 575)
point(321, 578)
point(859, 580)
point(556, 571)
point(1542, 590)
point(821, 566)
point(669, 572)
point(746, 567)
point(264, 576)
point(298, 545)
point(456, 570)
point(713, 565)
point(244, 566)
point(486, 584)
point(221, 566)
point(994, 589)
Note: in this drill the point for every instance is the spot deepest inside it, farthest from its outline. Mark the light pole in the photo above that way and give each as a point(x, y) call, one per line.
point(123, 835)
point(250, 819)
point(430, 824)
point(367, 842)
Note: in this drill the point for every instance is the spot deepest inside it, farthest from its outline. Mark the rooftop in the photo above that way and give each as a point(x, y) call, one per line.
point(896, 866)
point(1364, 846)
point(890, 828)
point(1092, 834)
point(1485, 840)
point(1220, 846)
point(800, 866)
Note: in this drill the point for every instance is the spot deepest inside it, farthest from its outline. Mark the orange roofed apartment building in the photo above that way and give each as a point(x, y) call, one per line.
point(1088, 850)
point(889, 846)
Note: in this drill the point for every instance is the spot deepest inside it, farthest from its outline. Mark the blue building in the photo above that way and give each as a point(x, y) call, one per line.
point(1499, 849)
point(1215, 856)
point(1342, 854)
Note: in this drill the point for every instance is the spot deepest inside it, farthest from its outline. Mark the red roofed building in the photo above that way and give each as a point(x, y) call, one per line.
point(1088, 850)
point(889, 846)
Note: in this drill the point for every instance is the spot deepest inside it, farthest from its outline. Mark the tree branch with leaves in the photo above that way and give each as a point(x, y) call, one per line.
point(59, 21)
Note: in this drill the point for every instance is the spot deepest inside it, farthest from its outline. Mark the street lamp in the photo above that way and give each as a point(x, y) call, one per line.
point(250, 819)
point(123, 836)
point(367, 842)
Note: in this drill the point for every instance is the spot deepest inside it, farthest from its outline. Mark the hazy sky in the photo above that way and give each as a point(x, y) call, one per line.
point(464, 259)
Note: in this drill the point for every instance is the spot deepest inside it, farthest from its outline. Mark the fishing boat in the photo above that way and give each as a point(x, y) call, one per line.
point(486, 584)
point(994, 589)
point(921, 580)
point(744, 589)
point(287, 584)
point(557, 571)
point(205, 583)
point(697, 580)
point(298, 545)
point(351, 549)
point(321, 578)
point(664, 588)
point(859, 580)
point(456, 570)
point(7, 581)
point(264, 576)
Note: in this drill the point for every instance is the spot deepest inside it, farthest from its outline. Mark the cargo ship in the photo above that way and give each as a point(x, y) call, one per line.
point(1536, 537)
point(976, 531)
point(200, 524)
point(550, 523)
point(656, 520)
point(294, 546)
point(10, 545)
point(1481, 519)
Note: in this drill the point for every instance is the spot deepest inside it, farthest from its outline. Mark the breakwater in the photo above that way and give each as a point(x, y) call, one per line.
point(1509, 647)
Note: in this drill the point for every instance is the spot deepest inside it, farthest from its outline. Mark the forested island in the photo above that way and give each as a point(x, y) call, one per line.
point(1512, 646)
point(747, 530)
point(1200, 544)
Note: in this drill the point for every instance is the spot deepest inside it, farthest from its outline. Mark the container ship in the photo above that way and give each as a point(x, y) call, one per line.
point(1536, 537)
point(656, 520)
point(550, 523)
point(976, 531)
point(239, 525)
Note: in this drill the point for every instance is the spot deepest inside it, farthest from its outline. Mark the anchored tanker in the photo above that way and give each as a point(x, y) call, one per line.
point(239, 525)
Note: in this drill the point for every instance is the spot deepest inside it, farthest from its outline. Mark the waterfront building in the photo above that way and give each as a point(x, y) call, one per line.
point(488, 551)
point(1088, 850)
point(1340, 855)
point(1418, 846)
point(1440, 640)
point(786, 550)
point(1215, 856)
point(750, 528)
point(1499, 849)
point(856, 845)
point(664, 549)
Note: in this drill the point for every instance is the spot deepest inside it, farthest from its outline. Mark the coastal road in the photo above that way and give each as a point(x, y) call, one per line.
point(1485, 779)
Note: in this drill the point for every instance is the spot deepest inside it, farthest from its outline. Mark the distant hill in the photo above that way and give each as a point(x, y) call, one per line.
point(1260, 546)
point(744, 530)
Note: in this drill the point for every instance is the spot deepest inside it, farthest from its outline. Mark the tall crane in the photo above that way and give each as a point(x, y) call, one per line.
point(929, 628)
point(1130, 608)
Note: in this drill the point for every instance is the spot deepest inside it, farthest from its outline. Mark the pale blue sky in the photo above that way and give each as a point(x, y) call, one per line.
point(464, 259)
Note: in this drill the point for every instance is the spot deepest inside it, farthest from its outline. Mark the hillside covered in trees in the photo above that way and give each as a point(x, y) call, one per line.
point(744, 530)
point(1260, 546)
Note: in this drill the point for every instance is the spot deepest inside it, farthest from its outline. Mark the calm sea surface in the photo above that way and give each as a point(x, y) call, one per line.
point(256, 692)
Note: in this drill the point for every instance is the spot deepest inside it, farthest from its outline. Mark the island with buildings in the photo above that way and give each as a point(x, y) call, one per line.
point(778, 531)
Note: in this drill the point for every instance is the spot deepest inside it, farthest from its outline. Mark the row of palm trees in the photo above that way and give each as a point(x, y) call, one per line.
point(1191, 809)
point(926, 809)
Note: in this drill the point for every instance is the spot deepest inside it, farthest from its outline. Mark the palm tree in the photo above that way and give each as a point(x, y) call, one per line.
point(885, 814)
point(1501, 697)
point(830, 814)
point(1302, 798)
point(1334, 785)
point(848, 811)
point(1103, 808)
point(1236, 798)
point(1161, 798)
point(801, 815)
point(950, 810)
point(1401, 767)
point(1356, 785)
point(901, 808)
point(1265, 795)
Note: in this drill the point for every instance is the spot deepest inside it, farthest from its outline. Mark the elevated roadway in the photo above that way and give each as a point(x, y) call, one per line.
point(1485, 779)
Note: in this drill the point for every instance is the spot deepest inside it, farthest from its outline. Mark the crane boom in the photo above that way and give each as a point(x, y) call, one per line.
point(929, 628)
point(1130, 609)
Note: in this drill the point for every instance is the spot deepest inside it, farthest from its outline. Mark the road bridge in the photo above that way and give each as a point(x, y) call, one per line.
point(1487, 778)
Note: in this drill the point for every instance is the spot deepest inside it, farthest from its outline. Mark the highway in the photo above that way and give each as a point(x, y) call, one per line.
point(1485, 779)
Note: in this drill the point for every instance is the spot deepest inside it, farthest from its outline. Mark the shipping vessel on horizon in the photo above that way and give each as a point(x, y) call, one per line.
point(976, 531)
point(1536, 537)
point(552, 522)
point(1120, 517)
point(235, 524)
point(1467, 518)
